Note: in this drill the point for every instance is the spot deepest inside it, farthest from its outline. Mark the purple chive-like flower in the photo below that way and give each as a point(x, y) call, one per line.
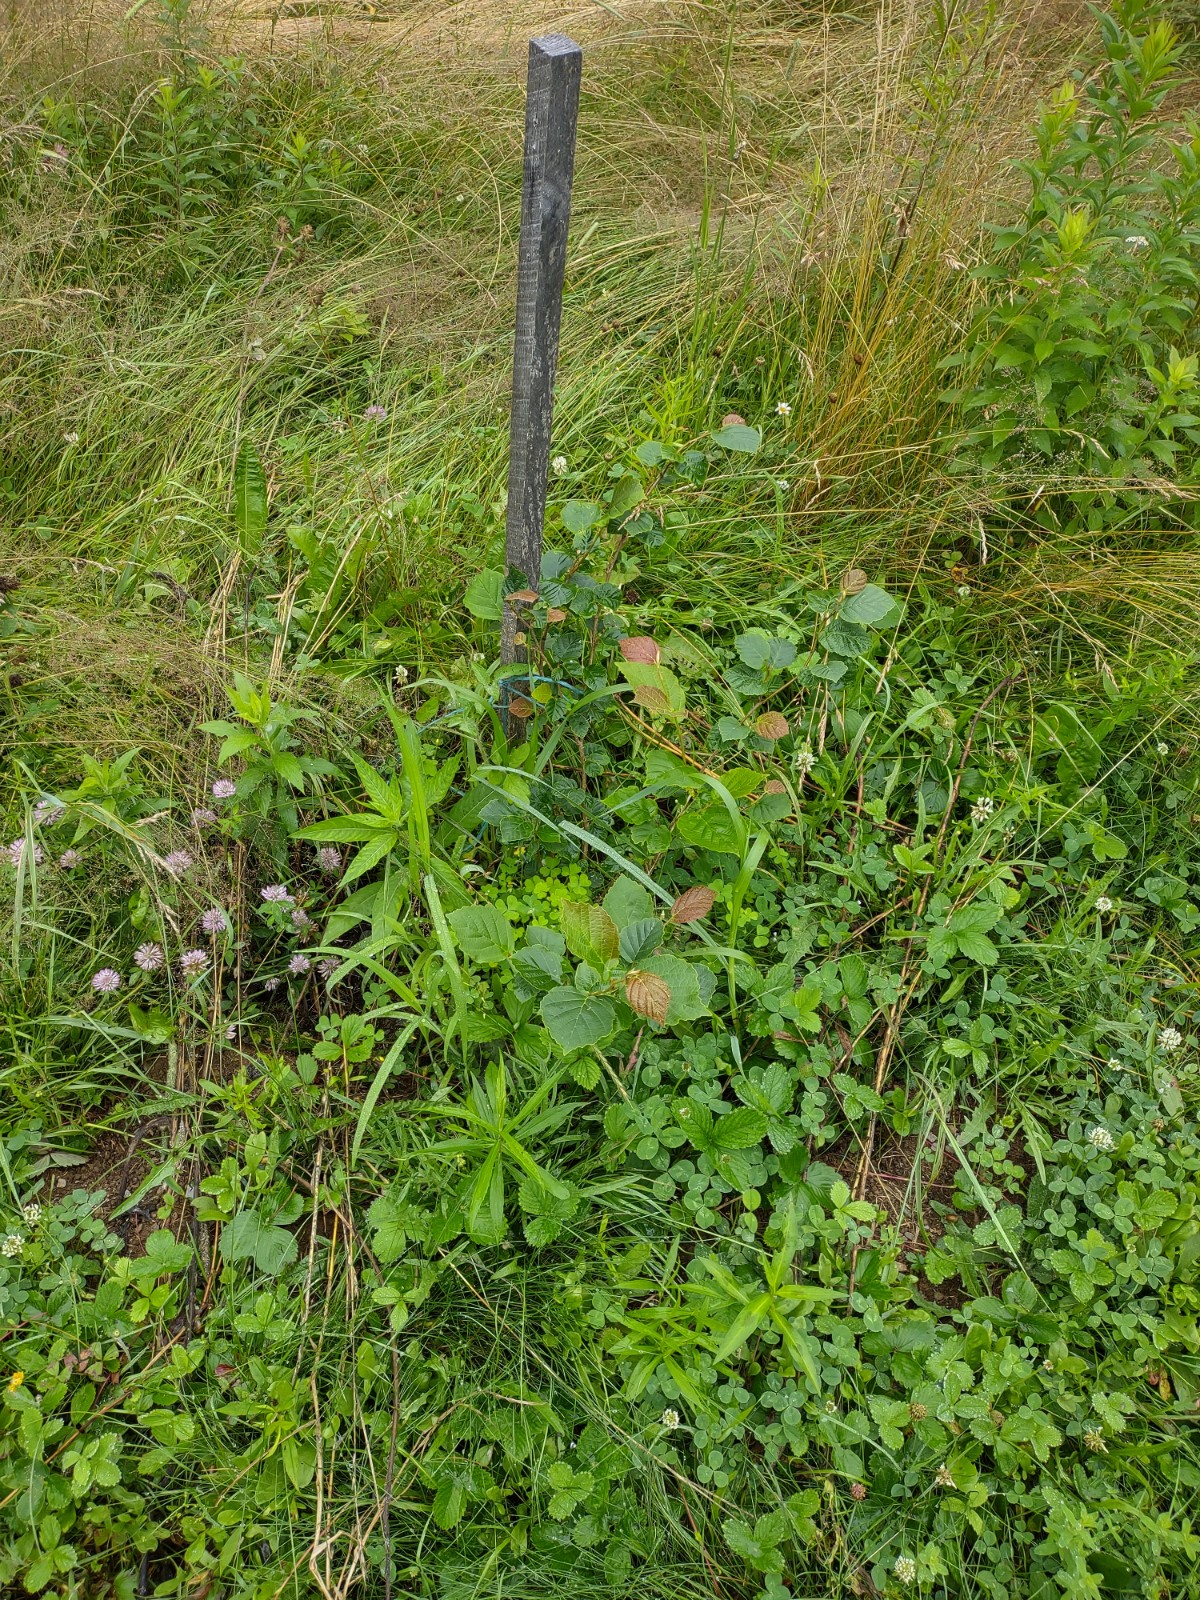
point(202, 817)
point(275, 893)
point(300, 918)
point(270, 985)
point(214, 921)
point(224, 789)
point(149, 957)
point(328, 967)
point(329, 860)
point(106, 981)
point(68, 859)
point(231, 1032)
point(16, 853)
point(299, 964)
point(375, 414)
point(47, 812)
point(177, 863)
point(192, 963)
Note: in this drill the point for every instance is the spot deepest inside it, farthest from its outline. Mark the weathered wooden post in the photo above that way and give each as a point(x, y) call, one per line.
point(551, 111)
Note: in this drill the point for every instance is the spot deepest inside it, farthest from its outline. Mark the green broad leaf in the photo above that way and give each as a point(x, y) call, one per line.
point(977, 947)
point(389, 1238)
point(627, 902)
point(739, 437)
point(806, 1003)
point(640, 939)
point(576, 1021)
point(485, 595)
point(537, 970)
point(449, 1503)
point(590, 932)
point(249, 499)
point(742, 1129)
point(248, 1237)
point(580, 515)
point(483, 932)
point(696, 1120)
point(299, 1461)
point(629, 492)
point(710, 828)
point(762, 650)
point(873, 607)
point(690, 993)
point(667, 772)
point(656, 688)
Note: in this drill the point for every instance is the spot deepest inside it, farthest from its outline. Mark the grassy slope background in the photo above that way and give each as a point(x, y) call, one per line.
point(743, 173)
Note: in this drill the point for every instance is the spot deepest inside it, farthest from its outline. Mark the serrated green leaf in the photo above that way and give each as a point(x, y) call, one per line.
point(484, 933)
point(576, 1021)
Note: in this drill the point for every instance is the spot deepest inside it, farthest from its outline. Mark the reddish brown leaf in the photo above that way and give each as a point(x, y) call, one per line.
point(775, 786)
point(641, 648)
point(693, 904)
point(224, 1371)
point(733, 421)
point(854, 581)
point(520, 708)
point(556, 614)
point(648, 995)
point(522, 597)
point(772, 725)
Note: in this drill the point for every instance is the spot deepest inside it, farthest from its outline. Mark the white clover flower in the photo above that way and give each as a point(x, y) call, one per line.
point(944, 1478)
point(670, 1418)
point(804, 761)
point(982, 810)
point(1163, 748)
point(906, 1569)
point(1116, 1066)
point(1094, 1440)
point(782, 485)
point(1137, 241)
point(558, 466)
point(1103, 904)
point(783, 409)
point(1100, 1139)
point(12, 1246)
point(71, 438)
point(32, 1214)
point(1169, 1038)
point(963, 591)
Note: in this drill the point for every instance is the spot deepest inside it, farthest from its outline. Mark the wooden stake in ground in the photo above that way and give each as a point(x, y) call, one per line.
point(551, 112)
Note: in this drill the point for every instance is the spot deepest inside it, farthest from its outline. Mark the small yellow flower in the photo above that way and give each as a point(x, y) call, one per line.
point(15, 1382)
